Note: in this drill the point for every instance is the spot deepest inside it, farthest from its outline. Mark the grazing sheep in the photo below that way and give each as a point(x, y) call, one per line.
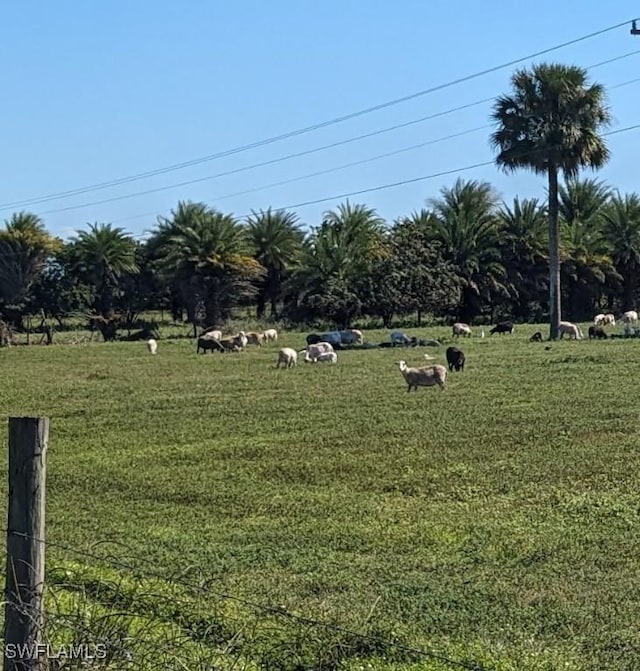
point(210, 344)
point(597, 332)
point(502, 327)
point(271, 334)
point(630, 317)
point(312, 352)
point(455, 358)
point(255, 338)
point(572, 330)
point(241, 339)
point(287, 357)
point(460, 329)
point(327, 357)
point(598, 320)
point(428, 376)
point(609, 319)
point(536, 337)
point(212, 333)
point(152, 345)
point(232, 344)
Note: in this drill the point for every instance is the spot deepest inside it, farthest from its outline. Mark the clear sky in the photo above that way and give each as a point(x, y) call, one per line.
point(97, 91)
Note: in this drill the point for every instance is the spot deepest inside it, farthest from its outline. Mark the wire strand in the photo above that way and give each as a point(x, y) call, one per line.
point(314, 127)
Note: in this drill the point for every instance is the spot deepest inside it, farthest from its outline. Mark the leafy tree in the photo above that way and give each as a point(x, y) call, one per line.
point(58, 291)
point(551, 123)
point(412, 276)
point(523, 244)
point(277, 243)
point(621, 226)
point(25, 246)
point(101, 256)
point(207, 254)
point(464, 220)
point(337, 259)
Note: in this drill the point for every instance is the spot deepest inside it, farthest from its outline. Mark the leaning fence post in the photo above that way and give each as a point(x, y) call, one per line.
point(28, 438)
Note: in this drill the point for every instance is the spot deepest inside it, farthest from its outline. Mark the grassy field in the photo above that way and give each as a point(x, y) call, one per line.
point(496, 523)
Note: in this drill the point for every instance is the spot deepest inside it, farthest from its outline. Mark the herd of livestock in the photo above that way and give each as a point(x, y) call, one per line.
point(321, 347)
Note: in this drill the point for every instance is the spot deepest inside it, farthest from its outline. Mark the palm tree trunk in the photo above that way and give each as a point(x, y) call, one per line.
point(275, 285)
point(555, 309)
point(261, 303)
point(629, 290)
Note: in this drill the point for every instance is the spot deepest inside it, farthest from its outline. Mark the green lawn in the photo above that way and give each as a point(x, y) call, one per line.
point(497, 522)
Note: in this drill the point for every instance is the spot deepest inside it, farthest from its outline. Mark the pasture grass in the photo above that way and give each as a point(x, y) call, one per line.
point(495, 523)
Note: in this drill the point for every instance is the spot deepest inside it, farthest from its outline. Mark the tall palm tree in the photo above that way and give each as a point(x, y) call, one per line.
point(464, 220)
point(101, 255)
point(277, 242)
point(208, 255)
point(621, 226)
point(551, 123)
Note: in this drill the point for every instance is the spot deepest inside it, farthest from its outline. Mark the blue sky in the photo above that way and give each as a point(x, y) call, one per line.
point(94, 92)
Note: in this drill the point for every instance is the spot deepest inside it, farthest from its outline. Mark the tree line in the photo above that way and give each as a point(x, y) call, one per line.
point(466, 256)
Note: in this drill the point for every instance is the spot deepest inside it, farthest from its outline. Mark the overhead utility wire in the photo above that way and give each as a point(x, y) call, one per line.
point(382, 187)
point(288, 157)
point(308, 129)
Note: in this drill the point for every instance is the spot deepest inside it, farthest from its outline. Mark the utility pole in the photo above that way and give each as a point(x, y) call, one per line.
point(634, 28)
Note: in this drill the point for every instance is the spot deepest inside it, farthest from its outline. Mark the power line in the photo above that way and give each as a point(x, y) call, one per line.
point(416, 179)
point(391, 185)
point(287, 181)
point(308, 129)
point(312, 151)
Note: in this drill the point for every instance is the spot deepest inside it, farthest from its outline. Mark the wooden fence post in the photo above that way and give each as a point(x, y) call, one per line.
point(28, 438)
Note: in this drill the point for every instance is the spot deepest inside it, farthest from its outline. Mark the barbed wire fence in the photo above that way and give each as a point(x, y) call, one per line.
point(143, 618)
point(115, 610)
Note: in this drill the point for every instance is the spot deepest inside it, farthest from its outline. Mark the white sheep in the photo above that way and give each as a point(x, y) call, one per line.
point(460, 329)
point(572, 330)
point(271, 334)
point(327, 357)
point(288, 357)
point(427, 376)
point(604, 319)
point(241, 339)
point(152, 345)
point(312, 352)
point(630, 317)
point(216, 335)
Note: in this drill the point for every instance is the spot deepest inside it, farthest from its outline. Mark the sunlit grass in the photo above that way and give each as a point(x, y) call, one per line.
point(496, 521)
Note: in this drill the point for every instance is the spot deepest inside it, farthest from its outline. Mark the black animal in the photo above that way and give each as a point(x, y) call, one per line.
point(313, 338)
point(210, 344)
point(536, 337)
point(455, 358)
point(597, 332)
point(502, 327)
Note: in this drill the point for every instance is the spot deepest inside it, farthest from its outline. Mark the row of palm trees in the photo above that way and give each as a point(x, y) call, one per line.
point(466, 254)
